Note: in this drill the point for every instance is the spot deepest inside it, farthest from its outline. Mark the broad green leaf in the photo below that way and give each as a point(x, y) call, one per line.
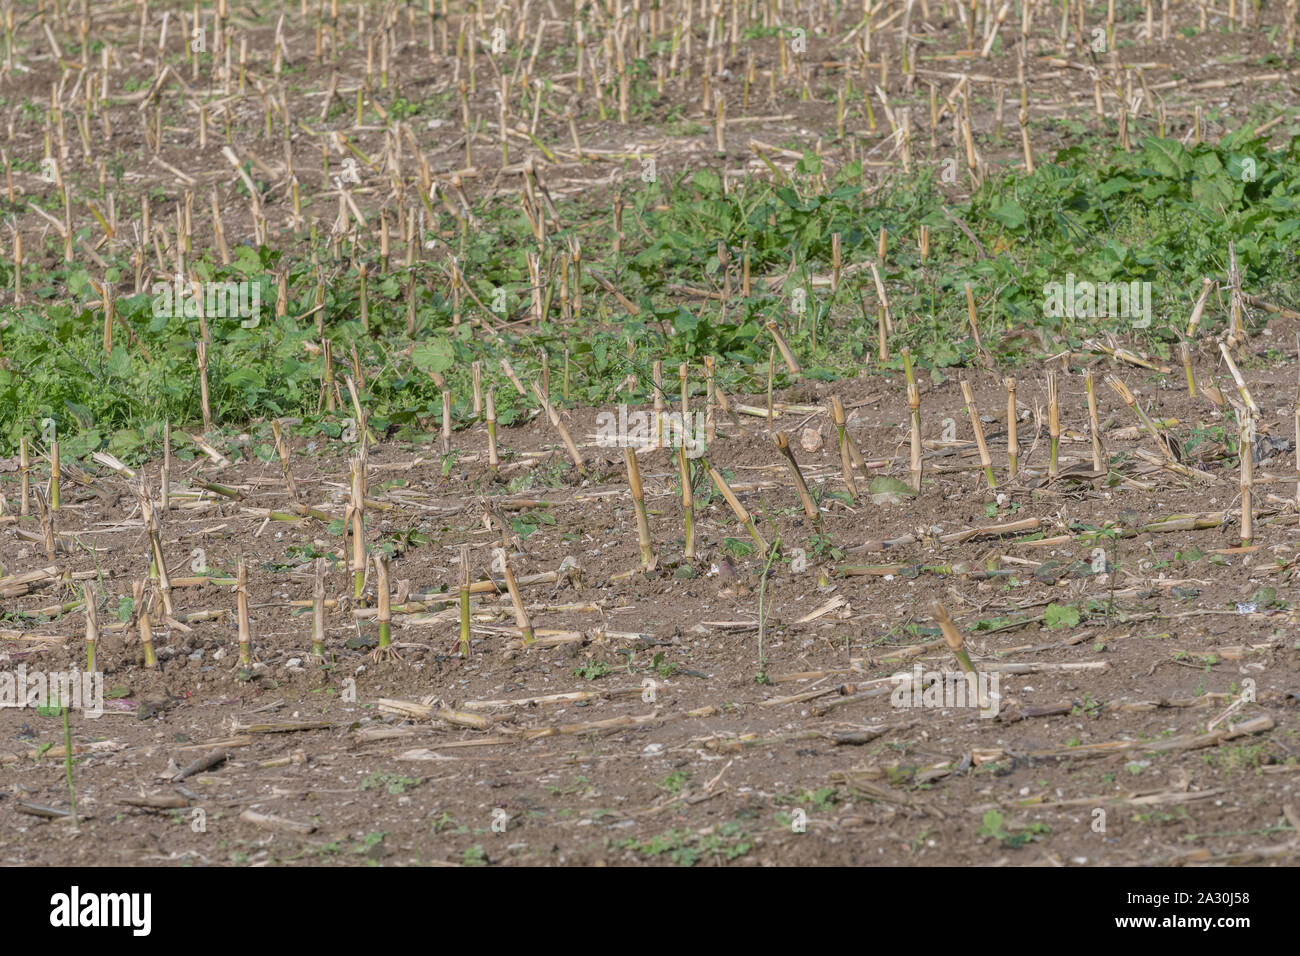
point(1167, 157)
point(889, 491)
point(435, 355)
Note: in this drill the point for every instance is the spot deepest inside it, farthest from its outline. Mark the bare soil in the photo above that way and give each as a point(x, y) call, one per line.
point(714, 766)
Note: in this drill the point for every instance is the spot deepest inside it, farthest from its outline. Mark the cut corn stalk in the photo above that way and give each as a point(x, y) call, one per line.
point(738, 509)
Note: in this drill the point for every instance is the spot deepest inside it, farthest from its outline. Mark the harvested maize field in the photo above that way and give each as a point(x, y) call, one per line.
point(649, 432)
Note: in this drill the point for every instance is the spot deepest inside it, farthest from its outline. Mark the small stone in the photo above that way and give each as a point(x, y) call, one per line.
point(811, 439)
